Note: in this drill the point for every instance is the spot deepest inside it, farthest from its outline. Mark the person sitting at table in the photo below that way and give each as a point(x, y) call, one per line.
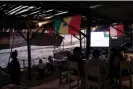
point(68, 54)
point(76, 57)
point(115, 58)
point(14, 68)
point(97, 61)
point(113, 65)
point(41, 69)
point(124, 72)
point(50, 65)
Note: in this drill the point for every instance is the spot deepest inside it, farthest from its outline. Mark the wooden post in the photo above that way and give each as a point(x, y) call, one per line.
point(71, 39)
point(29, 55)
point(84, 39)
point(33, 62)
point(23, 64)
point(88, 37)
point(54, 43)
point(131, 37)
point(110, 43)
point(80, 40)
point(63, 45)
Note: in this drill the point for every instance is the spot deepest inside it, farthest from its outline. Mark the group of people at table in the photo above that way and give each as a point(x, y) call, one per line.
point(113, 68)
point(110, 69)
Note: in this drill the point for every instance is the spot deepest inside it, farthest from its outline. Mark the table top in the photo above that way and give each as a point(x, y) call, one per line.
point(60, 60)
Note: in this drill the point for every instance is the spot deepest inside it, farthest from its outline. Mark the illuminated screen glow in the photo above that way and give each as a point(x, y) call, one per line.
point(99, 39)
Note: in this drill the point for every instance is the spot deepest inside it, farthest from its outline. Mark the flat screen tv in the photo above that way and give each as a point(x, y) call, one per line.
point(99, 39)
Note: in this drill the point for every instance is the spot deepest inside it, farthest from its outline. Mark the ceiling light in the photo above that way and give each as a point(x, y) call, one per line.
point(49, 10)
point(49, 17)
point(40, 24)
point(95, 6)
point(62, 13)
point(93, 28)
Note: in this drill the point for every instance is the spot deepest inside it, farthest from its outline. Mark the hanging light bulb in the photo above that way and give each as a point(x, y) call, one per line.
point(94, 28)
point(44, 22)
point(40, 24)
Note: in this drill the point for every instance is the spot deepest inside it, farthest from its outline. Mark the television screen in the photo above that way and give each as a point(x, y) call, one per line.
point(99, 39)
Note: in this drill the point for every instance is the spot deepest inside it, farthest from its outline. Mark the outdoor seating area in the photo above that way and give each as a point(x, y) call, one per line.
point(66, 45)
point(62, 76)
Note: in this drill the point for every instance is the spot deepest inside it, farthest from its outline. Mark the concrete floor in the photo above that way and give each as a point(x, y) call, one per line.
point(54, 84)
point(51, 82)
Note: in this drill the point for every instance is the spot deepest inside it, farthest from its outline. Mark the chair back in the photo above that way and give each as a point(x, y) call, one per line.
point(73, 65)
point(93, 71)
point(126, 65)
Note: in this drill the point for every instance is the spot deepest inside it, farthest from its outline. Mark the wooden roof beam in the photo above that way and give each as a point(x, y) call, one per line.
point(30, 11)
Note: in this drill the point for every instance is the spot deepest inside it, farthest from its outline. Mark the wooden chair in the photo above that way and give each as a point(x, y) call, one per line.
point(73, 65)
point(125, 66)
point(93, 77)
point(63, 75)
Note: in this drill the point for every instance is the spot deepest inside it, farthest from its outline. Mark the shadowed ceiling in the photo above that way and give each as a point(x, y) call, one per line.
point(17, 14)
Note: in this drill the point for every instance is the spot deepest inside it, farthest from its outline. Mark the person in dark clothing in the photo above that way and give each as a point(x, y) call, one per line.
point(14, 69)
point(115, 58)
point(41, 69)
point(68, 54)
point(50, 65)
point(76, 57)
point(114, 65)
point(4, 78)
point(97, 61)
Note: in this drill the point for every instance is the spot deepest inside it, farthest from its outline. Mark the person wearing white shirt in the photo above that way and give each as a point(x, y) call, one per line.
point(96, 60)
point(41, 69)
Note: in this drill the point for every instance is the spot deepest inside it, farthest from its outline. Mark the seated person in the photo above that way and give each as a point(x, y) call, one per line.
point(115, 58)
point(76, 57)
point(41, 69)
point(97, 61)
point(50, 65)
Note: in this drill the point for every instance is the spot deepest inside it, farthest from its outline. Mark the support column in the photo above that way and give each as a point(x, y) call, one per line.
point(71, 40)
point(63, 46)
point(29, 54)
point(84, 39)
point(131, 37)
point(23, 64)
point(80, 40)
point(88, 37)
